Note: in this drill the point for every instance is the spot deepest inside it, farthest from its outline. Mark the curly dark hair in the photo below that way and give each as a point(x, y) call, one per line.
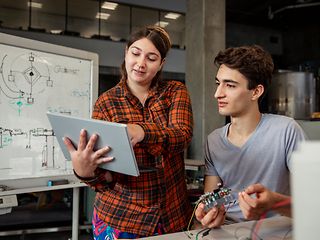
point(253, 62)
point(158, 36)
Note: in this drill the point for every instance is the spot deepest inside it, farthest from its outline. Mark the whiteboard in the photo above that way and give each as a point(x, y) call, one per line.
point(36, 77)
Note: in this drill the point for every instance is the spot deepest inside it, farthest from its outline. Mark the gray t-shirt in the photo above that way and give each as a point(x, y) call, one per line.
point(264, 158)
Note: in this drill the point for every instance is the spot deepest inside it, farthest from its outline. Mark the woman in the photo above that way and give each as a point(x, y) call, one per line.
point(159, 119)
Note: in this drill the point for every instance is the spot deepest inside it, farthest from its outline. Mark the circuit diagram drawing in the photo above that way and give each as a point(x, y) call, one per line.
point(46, 134)
point(48, 148)
point(27, 76)
point(7, 134)
point(32, 83)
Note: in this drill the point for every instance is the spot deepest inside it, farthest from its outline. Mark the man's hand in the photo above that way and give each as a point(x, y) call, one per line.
point(213, 218)
point(263, 201)
point(255, 201)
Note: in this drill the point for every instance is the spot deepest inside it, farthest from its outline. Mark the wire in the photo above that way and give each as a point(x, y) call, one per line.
point(189, 234)
point(255, 228)
point(285, 235)
point(205, 232)
point(257, 224)
point(283, 203)
point(230, 205)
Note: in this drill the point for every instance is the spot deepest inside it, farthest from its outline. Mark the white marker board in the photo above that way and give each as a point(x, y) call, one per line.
point(36, 77)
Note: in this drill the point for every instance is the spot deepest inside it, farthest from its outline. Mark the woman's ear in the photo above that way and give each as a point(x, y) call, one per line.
point(257, 92)
point(161, 65)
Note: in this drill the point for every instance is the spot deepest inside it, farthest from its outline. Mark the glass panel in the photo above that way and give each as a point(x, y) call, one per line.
point(142, 17)
point(175, 26)
point(117, 26)
point(14, 14)
point(48, 15)
point(82, 18)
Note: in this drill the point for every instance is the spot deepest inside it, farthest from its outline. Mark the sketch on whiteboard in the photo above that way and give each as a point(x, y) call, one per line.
point(31, 83)
point(6, 135)
point(28, 75)
point(61, 69)
point(46, 133)
point(48, 148)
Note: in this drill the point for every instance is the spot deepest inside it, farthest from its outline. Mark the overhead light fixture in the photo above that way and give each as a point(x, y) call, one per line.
point(103, 16)
point(57, 31)
point(162, 24)
point(35, 4)
point(172, 15)
point(109, 5)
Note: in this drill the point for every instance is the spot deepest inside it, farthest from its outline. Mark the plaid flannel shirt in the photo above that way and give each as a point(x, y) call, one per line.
point(137, 204)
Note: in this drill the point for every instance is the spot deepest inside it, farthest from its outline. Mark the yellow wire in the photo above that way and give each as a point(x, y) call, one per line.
point(194, 210)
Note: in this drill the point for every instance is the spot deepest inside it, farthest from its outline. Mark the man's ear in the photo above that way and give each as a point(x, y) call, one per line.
point(257, 92)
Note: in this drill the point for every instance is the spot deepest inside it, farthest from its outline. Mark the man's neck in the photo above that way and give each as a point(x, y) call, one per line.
point(242, 127)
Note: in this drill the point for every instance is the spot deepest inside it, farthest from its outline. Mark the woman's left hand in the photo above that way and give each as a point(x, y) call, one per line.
point(136, 133)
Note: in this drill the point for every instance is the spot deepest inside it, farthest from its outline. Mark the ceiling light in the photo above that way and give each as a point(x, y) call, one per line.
point(57, 31)
point(109, 5)
point(162, 24)
point(35, 4)
point(171, 15)
point(103, 16)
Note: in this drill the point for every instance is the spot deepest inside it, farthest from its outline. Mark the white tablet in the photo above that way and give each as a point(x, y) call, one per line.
point(110, 134)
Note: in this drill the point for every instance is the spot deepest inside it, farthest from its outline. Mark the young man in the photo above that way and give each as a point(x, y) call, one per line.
point(254, 147)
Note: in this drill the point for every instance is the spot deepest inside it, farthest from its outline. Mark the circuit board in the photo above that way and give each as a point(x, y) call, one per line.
point(220, 196)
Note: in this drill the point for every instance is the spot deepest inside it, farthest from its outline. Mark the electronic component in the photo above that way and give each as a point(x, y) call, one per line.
point(220, 196)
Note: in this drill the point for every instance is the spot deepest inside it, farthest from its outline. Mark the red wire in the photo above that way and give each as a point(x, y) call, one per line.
point(263, 216)
point(282, 203)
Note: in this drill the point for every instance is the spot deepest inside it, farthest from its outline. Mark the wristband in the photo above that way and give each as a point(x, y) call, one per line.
point(85, 179)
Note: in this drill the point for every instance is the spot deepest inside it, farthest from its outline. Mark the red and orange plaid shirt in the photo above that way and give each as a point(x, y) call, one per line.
point(138, 204)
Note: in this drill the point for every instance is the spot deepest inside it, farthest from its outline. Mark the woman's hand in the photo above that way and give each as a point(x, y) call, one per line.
point(136, 133)
point(84, 159)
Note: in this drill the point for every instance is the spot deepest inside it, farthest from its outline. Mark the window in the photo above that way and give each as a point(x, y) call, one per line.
point(175, 26)
point(47, 16)
point(143, 16)
point(14, 14)
point(82, 19)
point(117, 26)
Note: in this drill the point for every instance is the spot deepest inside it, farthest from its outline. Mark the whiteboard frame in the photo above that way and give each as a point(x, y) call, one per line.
point(36, 45)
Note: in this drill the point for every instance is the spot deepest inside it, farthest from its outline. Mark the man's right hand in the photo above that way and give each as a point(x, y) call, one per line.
point(213, 218)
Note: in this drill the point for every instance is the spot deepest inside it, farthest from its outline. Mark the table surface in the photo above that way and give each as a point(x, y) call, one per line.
point(270, 228)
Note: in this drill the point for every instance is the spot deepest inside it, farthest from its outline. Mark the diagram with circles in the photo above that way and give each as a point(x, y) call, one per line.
point(31, 84)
